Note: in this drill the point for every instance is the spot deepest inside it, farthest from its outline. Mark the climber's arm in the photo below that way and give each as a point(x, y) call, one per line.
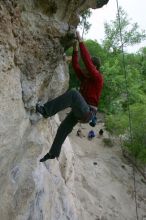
point(75, 63)
point(87, 59)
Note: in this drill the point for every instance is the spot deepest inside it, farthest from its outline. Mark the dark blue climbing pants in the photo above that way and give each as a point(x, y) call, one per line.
point(79, 107)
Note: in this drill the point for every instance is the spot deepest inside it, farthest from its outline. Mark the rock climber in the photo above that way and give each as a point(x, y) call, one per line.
point(83, 104)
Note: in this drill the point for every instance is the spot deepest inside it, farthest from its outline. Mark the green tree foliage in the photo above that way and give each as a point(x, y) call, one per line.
point(124, 95)
point(134, 140)
point(84, 23)
point(137, 145)
point(142, 64)
point(130, 33)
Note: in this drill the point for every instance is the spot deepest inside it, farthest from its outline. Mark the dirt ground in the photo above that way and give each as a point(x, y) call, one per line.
point(104, 179)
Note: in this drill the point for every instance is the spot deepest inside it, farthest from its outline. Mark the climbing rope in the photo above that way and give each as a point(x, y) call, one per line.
point(129, 112)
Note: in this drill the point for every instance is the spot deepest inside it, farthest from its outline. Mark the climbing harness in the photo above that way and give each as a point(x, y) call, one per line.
point(129, 113)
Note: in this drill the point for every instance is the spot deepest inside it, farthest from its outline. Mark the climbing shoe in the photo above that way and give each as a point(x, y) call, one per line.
point(47, 157)
point(40, 109)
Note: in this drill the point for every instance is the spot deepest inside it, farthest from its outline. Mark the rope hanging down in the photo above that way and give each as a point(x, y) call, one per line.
point(127, 93)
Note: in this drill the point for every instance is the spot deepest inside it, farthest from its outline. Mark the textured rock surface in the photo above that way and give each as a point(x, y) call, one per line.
point(32, 36)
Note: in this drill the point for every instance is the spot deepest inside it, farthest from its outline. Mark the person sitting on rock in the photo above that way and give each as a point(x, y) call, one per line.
point(101, 132)
point(80, 133)
point(91, 135)
point(83, 104)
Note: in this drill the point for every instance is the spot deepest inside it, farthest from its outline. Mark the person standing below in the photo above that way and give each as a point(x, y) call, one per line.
point(83, 104)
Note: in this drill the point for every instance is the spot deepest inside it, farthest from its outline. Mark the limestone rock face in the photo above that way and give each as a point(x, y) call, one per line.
point(33, 35)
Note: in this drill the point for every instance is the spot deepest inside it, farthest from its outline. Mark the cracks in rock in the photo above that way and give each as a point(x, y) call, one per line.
point(48, 7)
point(34, 53)
point(52, 7)
point(35, 206)
point(70, 9)
point(66, 8)
point(67, 40)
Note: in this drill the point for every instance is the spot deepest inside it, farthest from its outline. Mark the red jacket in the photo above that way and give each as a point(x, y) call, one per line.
point(90, 87)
